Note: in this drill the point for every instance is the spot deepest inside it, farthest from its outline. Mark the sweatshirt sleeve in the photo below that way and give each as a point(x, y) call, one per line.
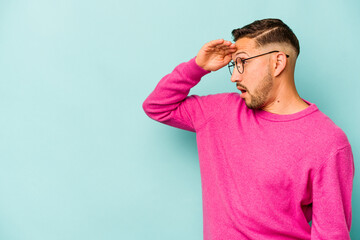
point(332, 189)
point(170, 104)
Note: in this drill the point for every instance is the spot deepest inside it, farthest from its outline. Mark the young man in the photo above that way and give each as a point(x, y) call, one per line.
point(270, 161)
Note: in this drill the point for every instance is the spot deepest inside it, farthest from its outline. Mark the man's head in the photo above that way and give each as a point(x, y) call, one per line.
point(268, 31)
point(264, 77)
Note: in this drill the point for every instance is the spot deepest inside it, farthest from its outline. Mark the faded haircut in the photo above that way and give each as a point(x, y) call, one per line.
point(268, 31)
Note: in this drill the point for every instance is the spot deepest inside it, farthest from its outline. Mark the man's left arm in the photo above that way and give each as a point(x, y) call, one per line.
point(332, 190)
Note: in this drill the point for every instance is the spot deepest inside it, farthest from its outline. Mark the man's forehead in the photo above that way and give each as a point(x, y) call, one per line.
point(245, 46)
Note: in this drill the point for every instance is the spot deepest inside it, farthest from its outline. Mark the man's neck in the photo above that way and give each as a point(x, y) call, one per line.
point(286, 101)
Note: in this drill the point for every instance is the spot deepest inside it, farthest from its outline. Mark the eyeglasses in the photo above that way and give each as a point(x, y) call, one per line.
point(240, 62)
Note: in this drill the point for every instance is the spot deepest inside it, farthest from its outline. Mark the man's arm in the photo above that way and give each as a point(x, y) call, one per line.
point(332, 189)
point(170, 104)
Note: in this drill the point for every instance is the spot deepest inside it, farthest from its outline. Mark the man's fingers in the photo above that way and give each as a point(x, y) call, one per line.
point(215, 42)
point(222, 46)
point(230, 51)
point(228, 58)
point(214, 54)
point(220, 42)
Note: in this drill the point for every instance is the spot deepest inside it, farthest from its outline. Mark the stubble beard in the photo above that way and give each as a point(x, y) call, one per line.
point(259, 98)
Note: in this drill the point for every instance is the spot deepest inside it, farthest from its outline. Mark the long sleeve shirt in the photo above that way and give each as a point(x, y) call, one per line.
point(264, 175)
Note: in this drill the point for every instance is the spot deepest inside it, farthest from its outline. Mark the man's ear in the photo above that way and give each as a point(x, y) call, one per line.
point(280, 63)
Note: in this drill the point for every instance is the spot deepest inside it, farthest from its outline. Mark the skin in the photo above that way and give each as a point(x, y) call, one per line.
point(268, 80)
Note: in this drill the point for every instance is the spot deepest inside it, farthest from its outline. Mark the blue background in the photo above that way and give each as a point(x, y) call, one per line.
point(79, 159)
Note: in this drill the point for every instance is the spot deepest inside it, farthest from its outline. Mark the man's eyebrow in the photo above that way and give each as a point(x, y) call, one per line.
point(240, 53)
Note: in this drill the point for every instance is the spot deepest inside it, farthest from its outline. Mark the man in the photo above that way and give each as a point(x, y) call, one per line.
point(270, 161)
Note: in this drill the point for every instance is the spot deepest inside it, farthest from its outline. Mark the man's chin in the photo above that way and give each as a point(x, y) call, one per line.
point(253, 105)
point(250, 106)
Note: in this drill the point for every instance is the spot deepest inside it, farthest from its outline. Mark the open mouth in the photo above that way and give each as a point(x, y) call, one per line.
point(241, 89)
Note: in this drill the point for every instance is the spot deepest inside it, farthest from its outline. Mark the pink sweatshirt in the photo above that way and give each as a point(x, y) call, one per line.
point(264, 175)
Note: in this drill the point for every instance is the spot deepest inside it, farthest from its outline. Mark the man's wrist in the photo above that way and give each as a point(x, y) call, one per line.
point(199, 65)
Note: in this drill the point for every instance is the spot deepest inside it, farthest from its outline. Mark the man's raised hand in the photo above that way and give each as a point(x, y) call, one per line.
point(215, 54)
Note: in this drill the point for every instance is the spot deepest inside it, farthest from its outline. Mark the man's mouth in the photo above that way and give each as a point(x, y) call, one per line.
point(243, 90)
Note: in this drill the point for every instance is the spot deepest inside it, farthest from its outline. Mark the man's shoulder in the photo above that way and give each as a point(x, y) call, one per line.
point(326, 129)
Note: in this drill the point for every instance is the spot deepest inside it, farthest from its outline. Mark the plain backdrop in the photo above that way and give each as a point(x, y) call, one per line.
point(79, 159)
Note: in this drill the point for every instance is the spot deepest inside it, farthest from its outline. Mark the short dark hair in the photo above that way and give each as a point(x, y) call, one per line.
point(266, 31)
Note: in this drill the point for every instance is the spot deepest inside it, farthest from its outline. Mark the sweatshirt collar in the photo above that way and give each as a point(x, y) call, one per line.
point(287, 117)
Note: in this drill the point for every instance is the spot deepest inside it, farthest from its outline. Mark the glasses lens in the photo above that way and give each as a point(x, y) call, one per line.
point(231, 67)
point(239, 65)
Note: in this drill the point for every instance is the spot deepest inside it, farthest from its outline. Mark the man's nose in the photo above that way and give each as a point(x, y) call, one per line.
point(236, 76)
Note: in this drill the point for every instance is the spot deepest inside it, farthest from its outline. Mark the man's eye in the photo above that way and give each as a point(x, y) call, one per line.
point(239, 61)
point(244, 61)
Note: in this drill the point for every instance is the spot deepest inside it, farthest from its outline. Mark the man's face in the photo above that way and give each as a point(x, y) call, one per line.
point(256, 82)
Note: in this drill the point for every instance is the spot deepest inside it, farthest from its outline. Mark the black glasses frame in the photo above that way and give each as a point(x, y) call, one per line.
point(242, 62)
